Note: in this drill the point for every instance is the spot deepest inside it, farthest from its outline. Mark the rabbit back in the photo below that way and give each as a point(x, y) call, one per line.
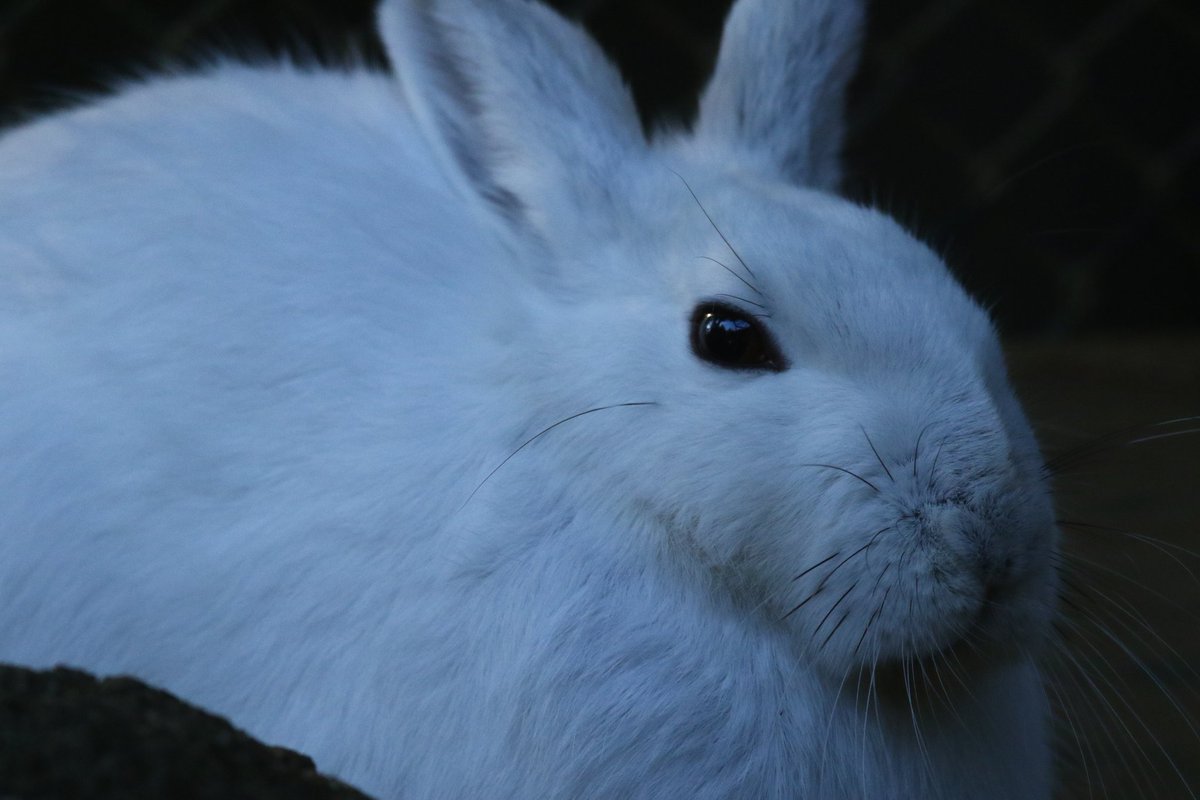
point(225, 299)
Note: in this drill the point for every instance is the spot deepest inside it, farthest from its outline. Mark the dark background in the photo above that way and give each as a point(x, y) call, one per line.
point(1050, 149)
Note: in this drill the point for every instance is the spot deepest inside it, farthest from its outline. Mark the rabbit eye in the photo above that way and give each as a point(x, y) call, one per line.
point(733, 339)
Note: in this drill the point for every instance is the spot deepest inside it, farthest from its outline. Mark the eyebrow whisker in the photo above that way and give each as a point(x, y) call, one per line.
point(749, 285)
point(742, 299)
point(707, 216)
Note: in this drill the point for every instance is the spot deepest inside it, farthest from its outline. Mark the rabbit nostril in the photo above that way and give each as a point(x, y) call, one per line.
point(996, 576)
point(995, 571)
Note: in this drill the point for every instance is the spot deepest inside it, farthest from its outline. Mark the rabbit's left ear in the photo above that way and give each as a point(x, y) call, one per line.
point(528, 116)
point(777, 92)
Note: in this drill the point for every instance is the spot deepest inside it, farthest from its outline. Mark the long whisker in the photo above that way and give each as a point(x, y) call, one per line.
point(871, 620)
point(542, 433)
point(1113, 440)
point(824, 580)
point(933, 466)
point(825, 618)
point(876, 452)
point(1151, 541)
point(742, 299)
point(1134, 629)
point(833, 710)
point(917, 449)
point(1141, 585)
point(1071, 662)
point(1169, 435)
point(750, 285)
point(843, 469)
point(1050, 684)
point(908, 671)
point(732, 249)
point(814, 566)
point(1115, 688)
point(769, 598)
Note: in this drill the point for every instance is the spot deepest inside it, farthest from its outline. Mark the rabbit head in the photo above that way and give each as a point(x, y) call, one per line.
point(788, 400)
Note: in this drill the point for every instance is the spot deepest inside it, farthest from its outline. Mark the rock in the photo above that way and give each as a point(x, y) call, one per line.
point(65, 734)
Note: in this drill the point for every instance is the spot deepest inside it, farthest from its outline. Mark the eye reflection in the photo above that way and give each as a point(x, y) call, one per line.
point(733, 339)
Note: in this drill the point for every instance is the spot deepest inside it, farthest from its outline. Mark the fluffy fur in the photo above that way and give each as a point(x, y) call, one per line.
point(266, 336)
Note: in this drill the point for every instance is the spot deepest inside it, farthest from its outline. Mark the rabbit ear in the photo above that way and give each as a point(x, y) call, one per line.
point(522, 106)
point(779, 83)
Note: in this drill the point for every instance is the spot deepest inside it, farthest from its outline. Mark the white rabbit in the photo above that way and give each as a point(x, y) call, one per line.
point(442, 427)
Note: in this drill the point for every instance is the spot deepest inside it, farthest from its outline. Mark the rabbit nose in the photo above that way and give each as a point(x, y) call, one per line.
point(973, 542)
point(996, 572)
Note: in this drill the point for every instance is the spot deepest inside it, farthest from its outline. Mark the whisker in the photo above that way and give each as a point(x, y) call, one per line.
point(876, 452)
point(944, 695)
point(825, 579)
point(832, 608)
point(843, 469)
point(726, 267)
point(835, 629)
point(1104, 661)
point(1075, 557)
point(917, 449)
point(871, 621)
point(933, 466)
point(1152, 541)
point(1157, 436)
point(1050, 683)
point(872, 692)
point(732, 249)
point(742, 299)
point(1111, 441)
point(1066, 574)
point(814, 566)
point(832, 716)
point(1002, 184)
point(1127, 609)
point(1099, 624)
point(906, 667)
point(542, 433)
point(1119, 611)
point(780, 590)
point(1108, 721)
point(962, 682)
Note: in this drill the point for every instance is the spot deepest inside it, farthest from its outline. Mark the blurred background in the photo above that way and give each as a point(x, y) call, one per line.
point(1050, 150)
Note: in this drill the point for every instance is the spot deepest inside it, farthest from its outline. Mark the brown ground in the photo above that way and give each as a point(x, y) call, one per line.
point(1073, 393)
point(65, 735)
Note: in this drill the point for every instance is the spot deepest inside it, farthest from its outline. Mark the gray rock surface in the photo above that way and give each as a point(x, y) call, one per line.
point(65, 734)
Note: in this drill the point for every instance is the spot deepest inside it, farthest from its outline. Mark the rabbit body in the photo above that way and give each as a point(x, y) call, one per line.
point(363, 410)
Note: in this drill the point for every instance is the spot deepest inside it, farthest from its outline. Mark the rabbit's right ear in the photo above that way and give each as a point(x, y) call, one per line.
point(527, 115)
point(777, 91)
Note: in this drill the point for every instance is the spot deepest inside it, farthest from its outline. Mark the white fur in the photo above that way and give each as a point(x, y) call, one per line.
point(266, 334)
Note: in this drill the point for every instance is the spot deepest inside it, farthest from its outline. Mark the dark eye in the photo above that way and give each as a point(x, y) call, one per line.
point(733, 339)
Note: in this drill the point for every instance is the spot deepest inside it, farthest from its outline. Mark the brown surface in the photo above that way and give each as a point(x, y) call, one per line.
point(65, 735)
point(1075, 392)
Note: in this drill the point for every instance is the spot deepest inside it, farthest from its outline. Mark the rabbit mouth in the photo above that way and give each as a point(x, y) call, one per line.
point(974, 604)
point(997, 635)
point(936, 676)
